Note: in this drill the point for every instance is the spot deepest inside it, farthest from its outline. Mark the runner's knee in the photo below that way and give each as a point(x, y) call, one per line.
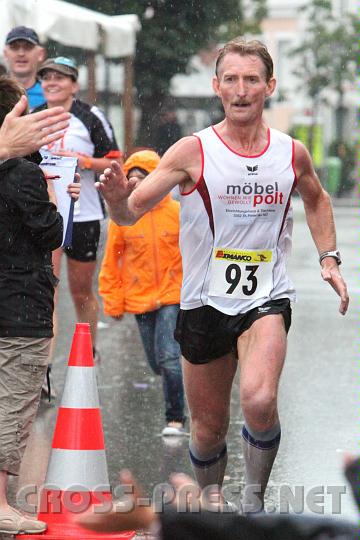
point(210, 433)
point(259, 406)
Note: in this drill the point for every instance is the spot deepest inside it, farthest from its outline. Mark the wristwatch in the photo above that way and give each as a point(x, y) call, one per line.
point(334, 254)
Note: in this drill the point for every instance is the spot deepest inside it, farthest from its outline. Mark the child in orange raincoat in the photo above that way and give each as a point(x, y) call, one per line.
point(141, 274)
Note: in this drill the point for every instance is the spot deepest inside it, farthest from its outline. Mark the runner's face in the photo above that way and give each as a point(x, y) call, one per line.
point(23, 58)
point(242, 87)
point(58, 89)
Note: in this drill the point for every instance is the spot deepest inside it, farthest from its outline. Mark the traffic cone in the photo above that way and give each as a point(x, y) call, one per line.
point(77, 478)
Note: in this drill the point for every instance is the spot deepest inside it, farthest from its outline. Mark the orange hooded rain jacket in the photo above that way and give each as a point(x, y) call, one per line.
point(141, 269)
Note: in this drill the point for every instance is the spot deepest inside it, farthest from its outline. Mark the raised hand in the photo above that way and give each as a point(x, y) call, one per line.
point(21, 135)
point(113, 184)
point(116, 189)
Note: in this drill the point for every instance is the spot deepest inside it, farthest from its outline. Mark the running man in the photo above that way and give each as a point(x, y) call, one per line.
point(236, 179)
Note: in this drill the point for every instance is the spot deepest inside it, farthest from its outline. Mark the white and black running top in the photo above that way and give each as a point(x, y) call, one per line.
point(236, 226)
point(89, 133)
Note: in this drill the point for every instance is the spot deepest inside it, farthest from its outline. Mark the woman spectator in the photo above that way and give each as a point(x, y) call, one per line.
point(141, 273)
point(90, 138)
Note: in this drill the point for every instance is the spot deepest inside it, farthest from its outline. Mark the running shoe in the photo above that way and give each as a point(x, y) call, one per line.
point(174, 429)
point(223, 506)
point(230, 508)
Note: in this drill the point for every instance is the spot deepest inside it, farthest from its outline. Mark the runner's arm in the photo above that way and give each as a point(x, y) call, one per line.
point(320, 219)
point(128, 201)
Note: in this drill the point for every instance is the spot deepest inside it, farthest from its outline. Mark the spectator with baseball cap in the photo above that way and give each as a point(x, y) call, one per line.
point(61, 64)
point(90, 138)
point(23, 54)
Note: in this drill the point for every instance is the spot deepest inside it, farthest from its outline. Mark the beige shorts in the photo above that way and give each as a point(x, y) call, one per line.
point(23, 363)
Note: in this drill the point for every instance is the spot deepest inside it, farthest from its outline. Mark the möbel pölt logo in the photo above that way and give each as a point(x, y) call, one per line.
point(262, 194)
point(262, 256)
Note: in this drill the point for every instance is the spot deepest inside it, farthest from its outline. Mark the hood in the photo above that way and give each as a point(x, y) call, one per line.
point(147, 160)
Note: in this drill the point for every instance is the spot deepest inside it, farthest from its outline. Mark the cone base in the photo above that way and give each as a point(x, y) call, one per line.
point(64, 532)
point(61, 525)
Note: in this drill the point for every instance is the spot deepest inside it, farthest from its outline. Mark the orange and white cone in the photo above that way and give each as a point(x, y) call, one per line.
point(77, 477)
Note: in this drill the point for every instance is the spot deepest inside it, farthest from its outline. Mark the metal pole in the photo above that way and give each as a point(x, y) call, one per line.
point(91, 95)
point(128, 103)
point(107, 86)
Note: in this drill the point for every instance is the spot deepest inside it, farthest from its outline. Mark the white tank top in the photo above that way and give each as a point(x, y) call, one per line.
point(236, 226)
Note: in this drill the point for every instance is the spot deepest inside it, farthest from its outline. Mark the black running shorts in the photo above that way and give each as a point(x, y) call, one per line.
point(85, 241)
point(205, 333)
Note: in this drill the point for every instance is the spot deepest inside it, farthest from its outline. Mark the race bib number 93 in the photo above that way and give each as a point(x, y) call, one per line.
point(241, 273)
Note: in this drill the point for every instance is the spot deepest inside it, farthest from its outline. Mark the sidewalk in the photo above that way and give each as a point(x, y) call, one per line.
point(346, 201)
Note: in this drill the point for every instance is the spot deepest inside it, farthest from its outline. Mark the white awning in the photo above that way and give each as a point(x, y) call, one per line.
point(68, 24)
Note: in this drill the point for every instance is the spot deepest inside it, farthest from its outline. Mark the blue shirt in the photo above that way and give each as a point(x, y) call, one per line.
point(35, 96)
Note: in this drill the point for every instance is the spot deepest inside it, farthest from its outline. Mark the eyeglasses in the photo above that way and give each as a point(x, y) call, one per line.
point(53, 75)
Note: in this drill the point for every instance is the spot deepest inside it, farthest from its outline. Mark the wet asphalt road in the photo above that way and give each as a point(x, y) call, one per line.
point(318, 394)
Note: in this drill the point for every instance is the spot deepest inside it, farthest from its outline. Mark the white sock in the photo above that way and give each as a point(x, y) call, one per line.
point(260, 449)
point(208, 469)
